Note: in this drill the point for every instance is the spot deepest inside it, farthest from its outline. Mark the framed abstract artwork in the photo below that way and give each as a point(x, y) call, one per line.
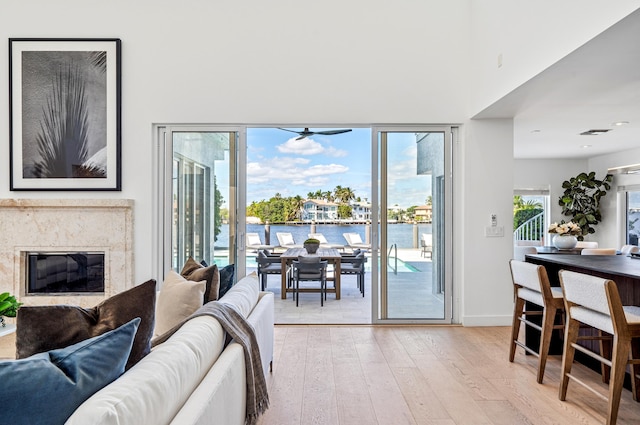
point(65, 114)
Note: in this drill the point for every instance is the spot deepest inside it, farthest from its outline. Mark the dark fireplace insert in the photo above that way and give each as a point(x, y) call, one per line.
point(57, 273)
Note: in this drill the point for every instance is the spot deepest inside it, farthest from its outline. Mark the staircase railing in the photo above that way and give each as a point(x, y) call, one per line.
point(530, 230)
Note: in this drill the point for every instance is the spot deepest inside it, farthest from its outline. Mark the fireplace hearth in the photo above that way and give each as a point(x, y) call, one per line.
point(62, 273)
point(66, 227)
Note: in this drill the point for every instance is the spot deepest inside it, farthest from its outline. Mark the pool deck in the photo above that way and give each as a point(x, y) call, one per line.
point(409, 297)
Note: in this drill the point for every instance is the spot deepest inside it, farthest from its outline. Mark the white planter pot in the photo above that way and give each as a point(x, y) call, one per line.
point(565, 241)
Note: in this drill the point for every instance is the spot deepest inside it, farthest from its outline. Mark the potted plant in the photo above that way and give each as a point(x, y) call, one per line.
point(581, 200)
point(8, 306)
point(311, 245)
point(565, 234)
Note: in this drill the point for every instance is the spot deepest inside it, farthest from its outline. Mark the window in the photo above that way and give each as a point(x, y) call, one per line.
point(633, 217)
point(530, 215)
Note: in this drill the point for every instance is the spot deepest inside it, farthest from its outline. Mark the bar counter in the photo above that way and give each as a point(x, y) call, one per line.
point(622, 269)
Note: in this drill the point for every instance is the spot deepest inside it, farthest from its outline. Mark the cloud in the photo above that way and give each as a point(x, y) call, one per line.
point(304, 146)
point(336, 153)
point(308, 146)
point(292, 170)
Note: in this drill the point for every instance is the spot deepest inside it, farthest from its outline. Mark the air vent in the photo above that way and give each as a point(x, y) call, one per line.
point(594, 132)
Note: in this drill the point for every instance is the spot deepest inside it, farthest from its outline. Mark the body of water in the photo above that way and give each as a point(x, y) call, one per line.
point(400, 234)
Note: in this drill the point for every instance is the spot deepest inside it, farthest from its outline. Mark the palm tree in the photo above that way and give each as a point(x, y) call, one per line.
point(63, 137)
point(297, 202)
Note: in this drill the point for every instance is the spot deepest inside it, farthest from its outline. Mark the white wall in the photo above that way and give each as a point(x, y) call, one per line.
point(254, 62)
point(530, 36)
point(483, 262)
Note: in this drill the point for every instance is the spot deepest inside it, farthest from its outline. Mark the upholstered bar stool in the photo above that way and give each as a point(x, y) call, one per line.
point(586, 244)
point(598, 251)
point(531, 283)
point(595, 302)
point(519, 252)
point(629, 249)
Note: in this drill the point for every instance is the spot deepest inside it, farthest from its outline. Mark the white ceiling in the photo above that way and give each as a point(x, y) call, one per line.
point(593, 87)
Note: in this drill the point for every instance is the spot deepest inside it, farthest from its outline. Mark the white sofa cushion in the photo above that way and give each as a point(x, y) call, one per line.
point(221, 396)
point(243, 296)
point(155, 389)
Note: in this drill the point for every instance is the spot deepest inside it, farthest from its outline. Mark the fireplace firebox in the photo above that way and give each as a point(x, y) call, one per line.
point(64, 273)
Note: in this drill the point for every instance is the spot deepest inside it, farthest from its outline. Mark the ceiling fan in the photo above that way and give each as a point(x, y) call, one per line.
point(306, 132)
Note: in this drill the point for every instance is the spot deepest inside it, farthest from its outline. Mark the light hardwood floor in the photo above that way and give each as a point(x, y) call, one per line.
point(360, 375)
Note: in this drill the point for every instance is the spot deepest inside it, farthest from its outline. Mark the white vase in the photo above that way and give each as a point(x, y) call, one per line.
point(565, 241)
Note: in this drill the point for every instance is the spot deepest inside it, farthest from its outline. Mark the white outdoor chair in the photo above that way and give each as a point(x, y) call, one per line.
point(254, 242)
point(354, 241)
point(323, 241)
point(285, 240)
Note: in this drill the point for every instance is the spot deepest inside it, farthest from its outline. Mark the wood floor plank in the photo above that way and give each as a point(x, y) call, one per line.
point(421, 398)
point(396, 375)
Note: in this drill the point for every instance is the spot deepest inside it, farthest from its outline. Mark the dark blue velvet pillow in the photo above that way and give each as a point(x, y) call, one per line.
point(226, 279)
point(48, 387)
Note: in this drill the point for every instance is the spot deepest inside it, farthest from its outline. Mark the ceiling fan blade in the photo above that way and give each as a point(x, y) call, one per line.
point(301, 137)
point(285, 129)
point(331, 132)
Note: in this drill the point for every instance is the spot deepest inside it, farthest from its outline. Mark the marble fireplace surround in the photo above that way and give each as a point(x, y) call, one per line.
point(66, 225)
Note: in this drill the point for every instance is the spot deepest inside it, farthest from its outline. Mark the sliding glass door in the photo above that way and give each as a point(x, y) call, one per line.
point(414, 193)
point(200, 193)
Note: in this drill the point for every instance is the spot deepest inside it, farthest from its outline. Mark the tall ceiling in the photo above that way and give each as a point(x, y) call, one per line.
point(590, 89)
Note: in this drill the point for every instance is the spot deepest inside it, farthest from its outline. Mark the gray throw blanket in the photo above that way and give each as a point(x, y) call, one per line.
point(242, 332)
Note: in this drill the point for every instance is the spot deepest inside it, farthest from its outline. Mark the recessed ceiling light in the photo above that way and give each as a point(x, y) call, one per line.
point(586, 146)
point(620, 123)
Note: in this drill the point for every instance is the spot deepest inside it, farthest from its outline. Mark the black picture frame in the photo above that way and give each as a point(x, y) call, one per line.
point(65, 113)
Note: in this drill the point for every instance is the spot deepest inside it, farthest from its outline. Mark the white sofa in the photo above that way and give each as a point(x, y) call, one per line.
point(191, 378)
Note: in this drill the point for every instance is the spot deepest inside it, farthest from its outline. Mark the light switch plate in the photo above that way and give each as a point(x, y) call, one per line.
point(494, 231)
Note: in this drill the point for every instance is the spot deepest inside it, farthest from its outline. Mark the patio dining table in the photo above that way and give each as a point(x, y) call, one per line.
point(329, 254)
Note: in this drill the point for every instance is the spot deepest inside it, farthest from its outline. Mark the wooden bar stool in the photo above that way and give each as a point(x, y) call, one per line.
point(595, 301)
point(531, 284)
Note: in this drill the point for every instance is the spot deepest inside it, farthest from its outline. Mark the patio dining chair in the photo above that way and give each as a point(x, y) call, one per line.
point(354, 265)
point(267, 264)
point(305, 269)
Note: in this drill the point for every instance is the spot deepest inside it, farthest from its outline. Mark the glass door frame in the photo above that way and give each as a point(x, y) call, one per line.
point(378, 256)
point(162, 190)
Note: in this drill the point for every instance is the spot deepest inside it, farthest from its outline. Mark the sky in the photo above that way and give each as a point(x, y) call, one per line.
point(277, 163)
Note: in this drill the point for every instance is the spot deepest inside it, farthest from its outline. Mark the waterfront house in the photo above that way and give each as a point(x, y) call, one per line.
point(319, 210)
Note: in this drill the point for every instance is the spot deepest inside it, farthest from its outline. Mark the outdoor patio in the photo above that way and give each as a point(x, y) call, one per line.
point(410, 296)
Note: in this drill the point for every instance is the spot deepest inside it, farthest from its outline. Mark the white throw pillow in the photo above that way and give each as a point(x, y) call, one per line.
point(178, 299)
